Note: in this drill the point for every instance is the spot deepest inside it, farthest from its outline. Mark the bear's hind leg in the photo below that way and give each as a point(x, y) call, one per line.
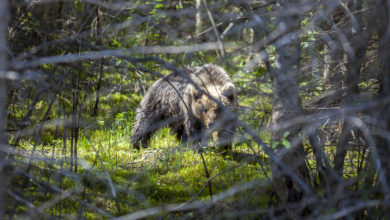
point(143, 130)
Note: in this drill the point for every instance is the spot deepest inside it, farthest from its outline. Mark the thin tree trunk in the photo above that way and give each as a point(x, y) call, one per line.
point(4, 179)
point(287, 106)
point(75, 122)
point(327, 68)
point(198, 16)
point(322, 165)
point(352, 62)
point(215, 29)
point(382, 113)
point(99, 41)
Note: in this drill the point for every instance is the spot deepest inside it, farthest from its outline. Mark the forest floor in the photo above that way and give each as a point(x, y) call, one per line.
point(113, 178)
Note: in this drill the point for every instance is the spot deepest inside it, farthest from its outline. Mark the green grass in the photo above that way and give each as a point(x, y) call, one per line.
point(115, 178)
point(166, 172)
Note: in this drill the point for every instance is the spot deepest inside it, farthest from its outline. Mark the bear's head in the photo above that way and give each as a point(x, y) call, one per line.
point(208, 111)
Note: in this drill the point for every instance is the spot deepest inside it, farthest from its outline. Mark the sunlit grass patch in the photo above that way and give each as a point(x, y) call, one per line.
point(181, 175)
point(115, 177)
point(163, 138)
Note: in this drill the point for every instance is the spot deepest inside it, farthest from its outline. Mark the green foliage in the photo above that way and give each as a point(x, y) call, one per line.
point(282, 142)
point(167, 172)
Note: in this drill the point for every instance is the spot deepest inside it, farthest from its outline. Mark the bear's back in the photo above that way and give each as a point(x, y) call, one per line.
point(210, 74)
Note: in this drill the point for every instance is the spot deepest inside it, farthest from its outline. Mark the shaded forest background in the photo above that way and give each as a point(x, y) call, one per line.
point(313, 84)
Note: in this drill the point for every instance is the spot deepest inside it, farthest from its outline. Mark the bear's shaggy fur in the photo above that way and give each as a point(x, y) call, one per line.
point(173, 101)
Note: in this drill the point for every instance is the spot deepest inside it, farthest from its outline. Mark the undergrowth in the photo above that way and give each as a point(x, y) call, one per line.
point(113, 178)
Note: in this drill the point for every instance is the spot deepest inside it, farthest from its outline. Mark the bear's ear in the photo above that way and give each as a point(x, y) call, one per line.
point(229, 91)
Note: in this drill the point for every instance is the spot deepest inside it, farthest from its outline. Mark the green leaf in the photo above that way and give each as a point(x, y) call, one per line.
point(274, 144)
point(303, 84)
point(286, 143)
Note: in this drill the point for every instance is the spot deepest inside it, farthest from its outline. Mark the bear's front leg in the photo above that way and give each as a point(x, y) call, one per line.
point(193, 128)
point(226, 138)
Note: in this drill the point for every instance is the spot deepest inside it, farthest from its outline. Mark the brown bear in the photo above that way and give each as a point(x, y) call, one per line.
point(192, 113)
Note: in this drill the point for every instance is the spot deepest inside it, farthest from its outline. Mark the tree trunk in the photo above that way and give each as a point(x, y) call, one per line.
point(99, 42)
point(353, 60)
point(4, 179)
point(198, 17)
point(287, 106)
point(382, 113)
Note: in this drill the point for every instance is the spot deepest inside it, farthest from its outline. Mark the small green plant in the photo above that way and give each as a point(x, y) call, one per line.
point(283, 141)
